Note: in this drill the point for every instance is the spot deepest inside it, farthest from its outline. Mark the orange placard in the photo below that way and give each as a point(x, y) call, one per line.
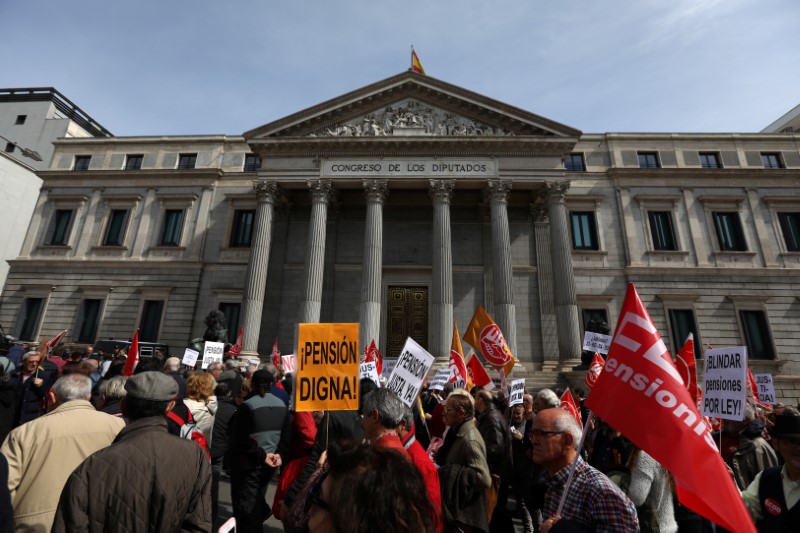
point(327, 367)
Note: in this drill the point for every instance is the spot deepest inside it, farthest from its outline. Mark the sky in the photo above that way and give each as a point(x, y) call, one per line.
point(174, 67)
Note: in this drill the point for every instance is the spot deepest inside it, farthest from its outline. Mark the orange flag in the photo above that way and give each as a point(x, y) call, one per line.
point(477, 374)
point(569, 405)
point(458, 368)
point(484, 335)
point(416, 66)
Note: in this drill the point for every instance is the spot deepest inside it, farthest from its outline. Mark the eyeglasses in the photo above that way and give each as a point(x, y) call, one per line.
point(542, 433)
point(314, 496)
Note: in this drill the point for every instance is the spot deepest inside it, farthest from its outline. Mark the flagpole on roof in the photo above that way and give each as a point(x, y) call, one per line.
point(411, 58)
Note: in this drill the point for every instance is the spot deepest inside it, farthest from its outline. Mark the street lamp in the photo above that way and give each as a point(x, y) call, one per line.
point(31, 154)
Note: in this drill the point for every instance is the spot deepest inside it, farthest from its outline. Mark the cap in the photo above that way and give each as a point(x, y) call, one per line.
point(787, 426)
point(153, 386)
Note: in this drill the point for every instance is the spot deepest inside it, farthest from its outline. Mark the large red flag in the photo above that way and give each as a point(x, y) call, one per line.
point(276, 354)
point(641, 394)
point(594, 370)
point(568, 404)
point(686, 366)
point(372, 355)
point(236, 349)
point(55, 340)
point(133, 355)
point(477, 374)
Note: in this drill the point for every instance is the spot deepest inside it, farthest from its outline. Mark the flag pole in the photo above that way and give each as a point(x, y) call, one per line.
point(411, 58)
point(574, 464)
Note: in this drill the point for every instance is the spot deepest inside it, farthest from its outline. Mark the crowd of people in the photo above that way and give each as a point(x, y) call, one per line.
point(86, 448)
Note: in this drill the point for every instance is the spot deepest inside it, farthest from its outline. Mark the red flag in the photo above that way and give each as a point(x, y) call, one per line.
point(658, 412)
point(477, 374)
point(133, 355)
point(236, 349)
point(372, 355)
point(276, 354)
point(54, 341)
point(594, 370)
point(686, 366)
point(458, 368)
point(569, 405)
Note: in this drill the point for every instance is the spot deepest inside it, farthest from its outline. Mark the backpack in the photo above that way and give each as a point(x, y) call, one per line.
point(189, 431)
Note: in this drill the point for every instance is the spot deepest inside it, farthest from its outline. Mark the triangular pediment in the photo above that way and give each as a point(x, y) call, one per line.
point(411, 105)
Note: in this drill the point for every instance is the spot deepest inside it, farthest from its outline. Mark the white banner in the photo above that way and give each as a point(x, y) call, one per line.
point(409, 372)
point(766, 388)
point(725, 382)
point(190, 357)
point(212, 351)
point(517, 391)
point(388, 367)
point(597, 342)
point(369, 370)
point(440, 378)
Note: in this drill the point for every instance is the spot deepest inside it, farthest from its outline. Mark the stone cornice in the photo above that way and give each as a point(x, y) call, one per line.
point(129, 178)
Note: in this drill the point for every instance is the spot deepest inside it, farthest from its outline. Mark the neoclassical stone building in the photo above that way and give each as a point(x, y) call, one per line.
point(402, 206)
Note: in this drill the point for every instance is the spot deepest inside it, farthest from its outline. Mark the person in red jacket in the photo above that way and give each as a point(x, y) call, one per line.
point(423, 462)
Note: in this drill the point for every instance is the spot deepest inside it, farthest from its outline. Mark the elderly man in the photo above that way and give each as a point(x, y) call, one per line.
point(744, 449)
point(43, 453)
point(464, 474)
point(215, 369)
point(494, 429)
point(172, 368)
point(147, 480)
point(593, 501)
point(30, 383)
point(772, 498)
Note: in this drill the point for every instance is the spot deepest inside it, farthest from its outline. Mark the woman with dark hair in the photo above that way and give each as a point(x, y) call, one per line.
point(366, 489)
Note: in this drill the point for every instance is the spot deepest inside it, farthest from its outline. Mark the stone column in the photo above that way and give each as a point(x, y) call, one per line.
point(369, 313)
point(441, 318)
point(566, 304)
point(267, 193)
point(311, 304)
point(544, 276)
point(504, 311)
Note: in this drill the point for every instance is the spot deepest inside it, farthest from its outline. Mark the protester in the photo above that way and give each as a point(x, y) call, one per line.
point(527, 403)
point(592, 499)
point(111, 392)
point(744, 449)
point(256, 433)
point(463, 474)
point(202, 402)
point(545, 399)
point(31, 383)
point(6, 510)
point(304, 433)
point(219, 446)
point(521, 474)
point(215, 369)
point(423, 462)
point(497, 439)
point(368, 489)
point(7, 404)
point(233, 376)
point(172, 368)
point(436, 425)
point(147, 480)
point(650, 489)
point(43, 453)
point(772, 498)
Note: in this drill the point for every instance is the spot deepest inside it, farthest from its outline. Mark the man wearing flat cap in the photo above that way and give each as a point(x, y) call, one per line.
point(147, 480)
point(772, 498)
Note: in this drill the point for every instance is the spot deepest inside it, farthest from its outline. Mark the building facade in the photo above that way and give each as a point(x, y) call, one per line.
point(402, 206)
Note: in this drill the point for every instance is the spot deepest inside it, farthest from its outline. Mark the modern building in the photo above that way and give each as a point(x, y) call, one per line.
point(402, 206)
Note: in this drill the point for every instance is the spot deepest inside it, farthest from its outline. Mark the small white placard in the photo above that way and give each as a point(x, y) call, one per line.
point(766, 388)
point(597, 342)
point(409, 372)
point(190, 357)
point(517, 392)
point(440, 378)
point(369, 370)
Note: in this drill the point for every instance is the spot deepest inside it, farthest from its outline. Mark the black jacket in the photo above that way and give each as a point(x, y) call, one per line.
point(496, 434)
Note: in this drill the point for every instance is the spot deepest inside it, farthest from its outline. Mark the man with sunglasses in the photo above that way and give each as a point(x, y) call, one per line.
point(593, 501)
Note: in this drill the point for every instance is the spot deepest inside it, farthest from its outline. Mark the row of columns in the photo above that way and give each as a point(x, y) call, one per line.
point(564, 306)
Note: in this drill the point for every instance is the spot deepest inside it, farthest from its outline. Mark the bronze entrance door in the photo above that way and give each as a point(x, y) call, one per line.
point(408, 317)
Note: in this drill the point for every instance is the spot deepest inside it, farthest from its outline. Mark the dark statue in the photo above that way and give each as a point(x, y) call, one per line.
point(216, 331)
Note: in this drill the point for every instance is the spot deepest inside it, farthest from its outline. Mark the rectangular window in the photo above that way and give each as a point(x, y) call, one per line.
point(62, 222)
point(242, 232)
point(771, 160)
point(252, 163)
point(88, 321)
point(682, 323)
point(134, 161)
point(661, 230)
point(173, 227)
point(117, 224)
point(790, 225)
point(584, 230)
point(21, 119)
point(709, 160)
point(231, 312)
point(30, 315)
point(648, 160)
point(151, 320)
point(756, 335)
point(82, 162)
point(187, 161)
point(729, 231)
point(575, 163)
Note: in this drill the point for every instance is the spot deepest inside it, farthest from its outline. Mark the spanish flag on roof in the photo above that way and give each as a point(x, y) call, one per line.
point(416, 66)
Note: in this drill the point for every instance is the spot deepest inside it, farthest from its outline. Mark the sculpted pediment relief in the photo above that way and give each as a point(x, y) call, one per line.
point(411, 117)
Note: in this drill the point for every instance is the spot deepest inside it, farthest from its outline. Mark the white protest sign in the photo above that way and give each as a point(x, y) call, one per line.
point(766, 388)
point(190, 357)
point(409, 372)
point(597, 342)
point(517, 391)
point(212, 351)
point(289, 363)
point(253, 362)
point(370, 371)
point(441, 377)
point(724, 382)
point(388, 367)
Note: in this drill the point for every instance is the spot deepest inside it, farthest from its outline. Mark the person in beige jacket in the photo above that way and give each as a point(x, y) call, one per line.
point(43, 453)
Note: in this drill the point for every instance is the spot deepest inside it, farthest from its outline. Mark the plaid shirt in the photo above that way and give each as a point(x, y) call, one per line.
point(593, 500)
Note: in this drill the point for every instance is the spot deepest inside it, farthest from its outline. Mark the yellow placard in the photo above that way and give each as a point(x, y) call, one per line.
point(327, 367)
